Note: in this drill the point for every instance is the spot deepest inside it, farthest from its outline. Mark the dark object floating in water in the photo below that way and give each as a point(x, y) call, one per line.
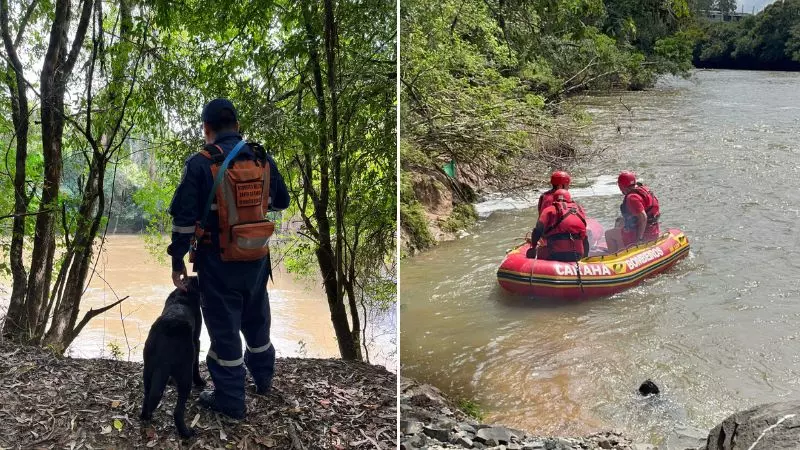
point(648, 388)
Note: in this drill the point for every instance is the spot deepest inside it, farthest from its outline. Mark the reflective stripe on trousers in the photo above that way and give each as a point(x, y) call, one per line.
point(237, 362)
point(261, 349)
point(183, 230)
point(224, 362)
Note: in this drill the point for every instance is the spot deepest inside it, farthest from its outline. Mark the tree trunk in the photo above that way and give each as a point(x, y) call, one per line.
point(347, 346)
point(64, 327)
point(21, 120)
point(57, 67)
point(331, 49)
point(65, 316)
point(356, 330)
point(52, 131)
point(326, 256)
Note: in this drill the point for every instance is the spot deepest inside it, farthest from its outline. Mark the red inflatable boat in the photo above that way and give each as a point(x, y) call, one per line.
point(598, 275)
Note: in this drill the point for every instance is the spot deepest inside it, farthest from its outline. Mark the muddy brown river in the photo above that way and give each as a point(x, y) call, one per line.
point(719, 332)
point(301, 324)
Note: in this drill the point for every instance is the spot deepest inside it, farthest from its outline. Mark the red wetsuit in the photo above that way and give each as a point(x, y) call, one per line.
point(639, 200)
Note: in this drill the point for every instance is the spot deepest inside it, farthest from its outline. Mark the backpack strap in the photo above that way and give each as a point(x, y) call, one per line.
point(258, 151)
point(218, 180)
point(563, 215)
point(213, 152)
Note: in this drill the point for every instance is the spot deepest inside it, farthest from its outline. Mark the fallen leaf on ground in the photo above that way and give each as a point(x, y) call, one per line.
point(81, 398)
point(265, 441)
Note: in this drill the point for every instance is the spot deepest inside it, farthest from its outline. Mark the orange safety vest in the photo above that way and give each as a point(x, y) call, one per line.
point(241, 196)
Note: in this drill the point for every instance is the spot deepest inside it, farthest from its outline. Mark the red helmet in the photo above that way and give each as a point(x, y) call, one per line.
point(560, 177)
point(561, 195)
point(626, 179)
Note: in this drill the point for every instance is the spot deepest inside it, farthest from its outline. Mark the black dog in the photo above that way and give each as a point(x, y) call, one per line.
point(172, 350)
point(648, 388)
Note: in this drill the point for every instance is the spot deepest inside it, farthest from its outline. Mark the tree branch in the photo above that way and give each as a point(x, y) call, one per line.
point(92, 313)
point(11, 47)
point(11, 216)
point(24, 23)
point(80, 34)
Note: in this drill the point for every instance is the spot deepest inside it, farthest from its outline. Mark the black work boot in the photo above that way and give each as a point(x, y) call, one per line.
point(208, 400)
point(263, 388)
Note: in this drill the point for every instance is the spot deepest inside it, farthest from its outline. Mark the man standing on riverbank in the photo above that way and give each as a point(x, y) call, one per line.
point(219, 212)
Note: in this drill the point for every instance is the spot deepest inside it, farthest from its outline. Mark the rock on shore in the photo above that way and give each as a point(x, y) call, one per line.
point(430, 421)
point(774, 426)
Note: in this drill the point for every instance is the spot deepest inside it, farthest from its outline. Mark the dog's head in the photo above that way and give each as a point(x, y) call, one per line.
point(192, 285)
point(190, 297)
point(192, 290)
point(648, 388)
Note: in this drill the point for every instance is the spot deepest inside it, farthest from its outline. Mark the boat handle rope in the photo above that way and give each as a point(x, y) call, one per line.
point(577, 264)
point(533, 265)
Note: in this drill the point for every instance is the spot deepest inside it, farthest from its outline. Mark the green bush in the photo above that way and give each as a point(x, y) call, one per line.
point(406, 188)
point(411, 155)
point(462, 217)
point(471, 409)
point(414, 222)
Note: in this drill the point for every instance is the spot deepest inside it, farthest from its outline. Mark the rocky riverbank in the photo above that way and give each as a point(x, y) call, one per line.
point(435, 207)
point(430, 421)
point(48, 401)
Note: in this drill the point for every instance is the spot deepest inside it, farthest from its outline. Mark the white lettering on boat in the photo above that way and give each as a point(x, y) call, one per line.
point(644, 258)
point(586, 270)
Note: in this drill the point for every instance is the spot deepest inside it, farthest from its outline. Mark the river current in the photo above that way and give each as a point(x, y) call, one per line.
point(301, 324)
point(719, 332)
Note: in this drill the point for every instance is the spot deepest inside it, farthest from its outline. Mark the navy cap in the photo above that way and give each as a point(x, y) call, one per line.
point(213, 110)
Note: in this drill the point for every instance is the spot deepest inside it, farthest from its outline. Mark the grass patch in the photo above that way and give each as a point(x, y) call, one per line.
point(471, 409)
point(413, 220)
point(462, 217)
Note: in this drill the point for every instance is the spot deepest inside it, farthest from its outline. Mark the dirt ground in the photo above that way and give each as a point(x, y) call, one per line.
point(48, 401)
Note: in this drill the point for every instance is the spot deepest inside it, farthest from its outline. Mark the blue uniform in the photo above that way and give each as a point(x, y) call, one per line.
point(234, 294)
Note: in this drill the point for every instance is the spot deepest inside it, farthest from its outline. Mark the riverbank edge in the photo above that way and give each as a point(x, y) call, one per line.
point(47, 400)
point(430, 420)
point(435, 207)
